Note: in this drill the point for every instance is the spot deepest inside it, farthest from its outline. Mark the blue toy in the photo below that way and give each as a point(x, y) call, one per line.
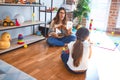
point(38, 33)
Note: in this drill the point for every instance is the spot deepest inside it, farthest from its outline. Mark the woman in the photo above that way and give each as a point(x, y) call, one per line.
point(58, 32)
point(76, 60)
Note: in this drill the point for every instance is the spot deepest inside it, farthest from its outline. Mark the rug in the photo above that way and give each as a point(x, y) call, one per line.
point(9, 72)
point(116, 41)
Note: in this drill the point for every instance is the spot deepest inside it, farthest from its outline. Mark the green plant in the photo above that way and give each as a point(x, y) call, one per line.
point(82, 10)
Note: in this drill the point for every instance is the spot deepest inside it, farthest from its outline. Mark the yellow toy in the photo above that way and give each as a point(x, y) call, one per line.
point(25, 46)
point(112, 33)
point(8, 22)
point(31, 1)
point(5, 40)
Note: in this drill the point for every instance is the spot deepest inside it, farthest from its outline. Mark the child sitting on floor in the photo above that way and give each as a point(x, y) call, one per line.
point(76, 60)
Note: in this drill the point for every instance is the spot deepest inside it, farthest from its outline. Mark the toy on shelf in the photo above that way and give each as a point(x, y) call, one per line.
point(52, 9)
point(8, 22)
point(20, 39)
point(5, 40)
point(19, 18)
point(30, 1)
point(17, 23)
point(22, 1)
point(0, 22)
point(9, 1)
point(90, 26)
point(38, 33)
point(33, 17)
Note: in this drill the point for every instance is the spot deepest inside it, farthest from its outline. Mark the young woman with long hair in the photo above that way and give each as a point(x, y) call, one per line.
point(58, 34)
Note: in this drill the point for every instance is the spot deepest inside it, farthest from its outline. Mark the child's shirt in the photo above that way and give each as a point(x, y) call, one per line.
point(84, 61)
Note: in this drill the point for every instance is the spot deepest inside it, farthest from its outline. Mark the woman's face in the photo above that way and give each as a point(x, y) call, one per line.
point(61, 14)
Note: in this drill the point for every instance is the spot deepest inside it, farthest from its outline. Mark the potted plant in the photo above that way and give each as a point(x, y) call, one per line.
point(82, 10)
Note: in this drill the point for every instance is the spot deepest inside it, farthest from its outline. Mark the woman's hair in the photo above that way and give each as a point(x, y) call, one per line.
point(56, 19)
point(81, 34)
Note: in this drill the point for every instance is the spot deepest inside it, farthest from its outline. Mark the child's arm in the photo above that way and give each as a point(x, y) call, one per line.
point(90, 48)
point(90, 53)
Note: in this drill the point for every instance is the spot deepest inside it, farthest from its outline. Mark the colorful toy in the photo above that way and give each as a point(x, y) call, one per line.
point(0, 22)
point(90, 26)
point(19, 18)
point(22, 1)
point(9, 1)
point(112, 33)
point(66, 49)
point(17, 23)
point(8, 22)
point(20, 39)
point(33, 17)
point(38, 33)
point(5, 40)
point(25, 46)
point(30, 1)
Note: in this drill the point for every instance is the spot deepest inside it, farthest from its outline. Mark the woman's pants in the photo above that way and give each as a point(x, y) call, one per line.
point(60, 41)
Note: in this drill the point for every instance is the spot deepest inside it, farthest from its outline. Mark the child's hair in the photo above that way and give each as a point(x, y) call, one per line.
point(81, 34)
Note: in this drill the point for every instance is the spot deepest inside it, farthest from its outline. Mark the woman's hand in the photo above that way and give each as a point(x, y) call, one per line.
point(53, 34)
point(69, 32)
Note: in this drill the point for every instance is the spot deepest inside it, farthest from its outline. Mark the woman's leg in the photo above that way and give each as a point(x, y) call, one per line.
point(68, 39)
point(55, 41)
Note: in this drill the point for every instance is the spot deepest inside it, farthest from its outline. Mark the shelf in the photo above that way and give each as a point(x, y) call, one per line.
point(18, 4)
point(47, 26)
point(28, 40)
point(48, 11)
point(25, 24)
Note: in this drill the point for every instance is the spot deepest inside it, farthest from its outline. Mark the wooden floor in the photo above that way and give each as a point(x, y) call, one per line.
point(43, 62)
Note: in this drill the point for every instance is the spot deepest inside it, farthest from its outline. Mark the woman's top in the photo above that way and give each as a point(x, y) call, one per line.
point(57, 28)
point(84, 61)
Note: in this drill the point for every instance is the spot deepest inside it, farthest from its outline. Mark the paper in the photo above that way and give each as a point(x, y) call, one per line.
point(58, 31)
point(69, 24)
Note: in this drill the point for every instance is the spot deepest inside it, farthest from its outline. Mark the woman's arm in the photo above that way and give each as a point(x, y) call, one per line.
point(51, 31)
point(68, 31)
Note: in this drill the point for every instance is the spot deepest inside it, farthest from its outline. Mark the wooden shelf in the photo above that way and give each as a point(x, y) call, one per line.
point(25, 24)
point(47, 26)
point(48, 11)
point(28, 40)
point(18, 4)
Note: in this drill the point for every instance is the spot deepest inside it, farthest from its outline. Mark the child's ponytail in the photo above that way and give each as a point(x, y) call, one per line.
point(77, 52)
point(81, 34)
